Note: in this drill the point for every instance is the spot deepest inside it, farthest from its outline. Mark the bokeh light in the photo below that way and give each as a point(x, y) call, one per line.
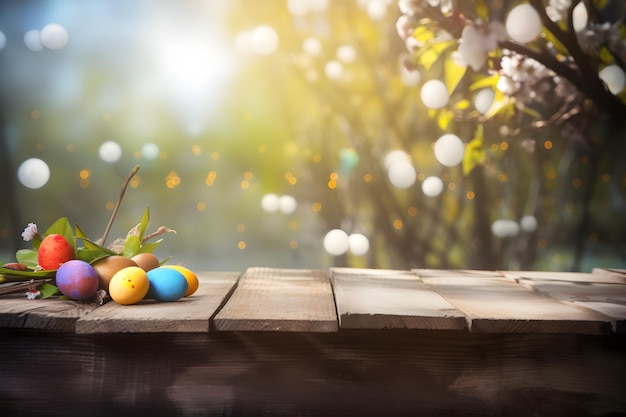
point(449, 150)
point(54, 36)
point(358, 244)
point(336, 242)
point(270, 203)
point(150, 151)
point(503, 228)
point(110, 152)
point(432, 186)
point(32, 40)
point(33, 173)
point(523, 23)
point(483, 99)
point(614, 78)
point(264, 40)
point(434, 94)
point(402, 174)
point(287, 204)
point(528, 223)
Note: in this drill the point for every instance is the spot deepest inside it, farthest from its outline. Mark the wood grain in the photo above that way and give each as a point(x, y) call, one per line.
point(189, 314)
point(272, 299)
point(619, 274)
point(573, 277)
point(499, 305)
point(587, 290)
point(49, 314)
point(388, 299)
point(351, 373)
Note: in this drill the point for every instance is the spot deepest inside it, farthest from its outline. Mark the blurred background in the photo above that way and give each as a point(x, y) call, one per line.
point(287, 134)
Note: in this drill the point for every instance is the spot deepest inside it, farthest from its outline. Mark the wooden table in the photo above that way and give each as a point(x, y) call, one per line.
point(337, 342)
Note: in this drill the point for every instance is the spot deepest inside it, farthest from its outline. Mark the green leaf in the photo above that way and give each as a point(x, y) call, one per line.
point(482, 10)
point(48, 290)
point(91, 256)
point(144, 222)
point(131, 247)
point(474, 151)
point(484, 82)
point(150, 247)
point(27, 257)
point(453, 73)
point(423, 33)
point(432, 52)
point(10, 275)
point(444, 118)
point(62, 227)
point(81, 235)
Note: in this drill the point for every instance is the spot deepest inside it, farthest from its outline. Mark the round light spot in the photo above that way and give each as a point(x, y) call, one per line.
point(336, 242)
point(33, 173)
point(298, 7)
point(449, 150)
point(505, 228)
point(376, 9)
point(270, 203)
point(32, 40)
point(287, 204)
point(54, 36)
point(110, 152)
point(614, 78)
point(580, 17)
point(432, 186)
point(402, 174)
point(150, 151)
point(410, 78)
point(528, 223)
point(395, 156)
point(358, 244)
point(434, 94)
point(333, 70)
point(484, 99)
point(523, 23)
point(312, 46)
point(264, 40)
point(346, 53)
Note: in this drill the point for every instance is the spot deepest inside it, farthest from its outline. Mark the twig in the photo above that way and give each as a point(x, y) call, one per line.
point(117, 204)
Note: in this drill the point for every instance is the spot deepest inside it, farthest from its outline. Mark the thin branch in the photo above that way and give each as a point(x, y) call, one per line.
point(117, 204)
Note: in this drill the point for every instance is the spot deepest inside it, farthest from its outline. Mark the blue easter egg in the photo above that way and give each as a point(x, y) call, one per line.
point(166, 284)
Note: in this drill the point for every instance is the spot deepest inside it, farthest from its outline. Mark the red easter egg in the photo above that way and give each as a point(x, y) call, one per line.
point(54, 250)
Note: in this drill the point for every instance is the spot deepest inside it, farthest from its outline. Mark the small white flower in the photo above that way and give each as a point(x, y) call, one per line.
point(30, 232)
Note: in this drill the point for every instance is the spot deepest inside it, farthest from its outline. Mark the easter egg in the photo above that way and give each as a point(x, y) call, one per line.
point(77, 279)
point(166, 284)
point(53, 251)
point(107, 267)
point(129, 285)
point(146, 261)
point(190, 276)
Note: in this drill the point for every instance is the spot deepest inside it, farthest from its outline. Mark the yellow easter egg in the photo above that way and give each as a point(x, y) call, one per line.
point(129, 285)
point(192, 279)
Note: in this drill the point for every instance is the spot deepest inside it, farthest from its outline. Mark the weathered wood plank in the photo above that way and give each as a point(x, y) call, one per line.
point(272, 299)
point(580, 277)
point(500, 305)
point(586, 291)
point(425, 272)
point(189, 314)
point(619, 274)
point(49, 314)
point(387, 299)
